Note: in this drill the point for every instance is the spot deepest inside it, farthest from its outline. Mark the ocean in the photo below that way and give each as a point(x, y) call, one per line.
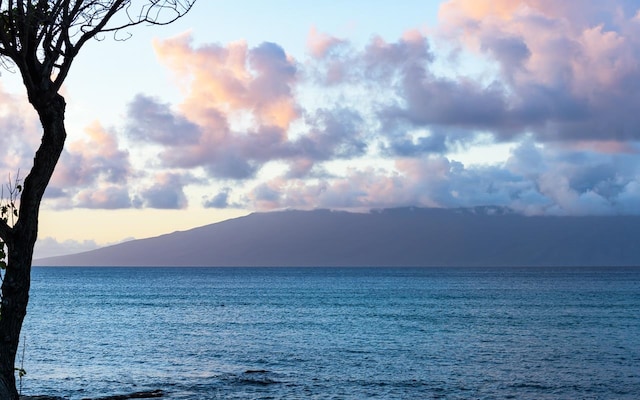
point(334, 333)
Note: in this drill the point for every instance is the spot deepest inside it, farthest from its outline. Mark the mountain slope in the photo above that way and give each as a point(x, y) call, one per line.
point(482, 236)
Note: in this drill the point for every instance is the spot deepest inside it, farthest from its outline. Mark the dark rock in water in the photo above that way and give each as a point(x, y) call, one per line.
point(256, 371)
point(136, 395)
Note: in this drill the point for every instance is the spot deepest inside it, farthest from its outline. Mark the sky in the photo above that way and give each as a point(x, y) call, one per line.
point(251, 106)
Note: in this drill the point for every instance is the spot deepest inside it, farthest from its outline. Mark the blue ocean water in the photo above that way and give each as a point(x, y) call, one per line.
point(335, 333)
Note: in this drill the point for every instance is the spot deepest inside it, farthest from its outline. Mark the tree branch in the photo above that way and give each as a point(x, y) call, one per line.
point(51, 33)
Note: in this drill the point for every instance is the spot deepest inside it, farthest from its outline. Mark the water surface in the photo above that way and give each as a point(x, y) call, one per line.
point(341, 333)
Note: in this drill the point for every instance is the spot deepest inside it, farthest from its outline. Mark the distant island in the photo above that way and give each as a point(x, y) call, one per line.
point(480, 236)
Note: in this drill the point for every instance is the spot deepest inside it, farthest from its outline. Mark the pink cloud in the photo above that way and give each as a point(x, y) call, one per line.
point(233, 79)
point(237, 113)
point(320, 44)
point(567, 69)
point(240, 100)
point(106, 197)
point(562, 76)
point(601, 146)
point(92, 172)
point(98, 158)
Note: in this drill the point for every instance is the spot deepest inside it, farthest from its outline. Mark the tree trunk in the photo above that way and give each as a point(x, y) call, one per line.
point(4, 390)
point(22, 237)
point(15, 296)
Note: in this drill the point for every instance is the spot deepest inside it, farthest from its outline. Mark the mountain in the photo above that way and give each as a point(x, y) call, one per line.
point(481, 236)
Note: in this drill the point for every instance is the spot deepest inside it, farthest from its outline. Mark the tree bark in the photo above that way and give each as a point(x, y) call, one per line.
point(15, 296)
point(22, 237)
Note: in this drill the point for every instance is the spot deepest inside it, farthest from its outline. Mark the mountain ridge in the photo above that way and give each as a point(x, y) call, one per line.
point(410, 236)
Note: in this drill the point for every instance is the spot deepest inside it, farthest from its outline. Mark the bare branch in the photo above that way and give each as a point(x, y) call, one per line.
point(52, 32)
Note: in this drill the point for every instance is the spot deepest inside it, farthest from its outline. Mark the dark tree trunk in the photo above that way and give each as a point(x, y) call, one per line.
point(15, 296)
point(22, 237)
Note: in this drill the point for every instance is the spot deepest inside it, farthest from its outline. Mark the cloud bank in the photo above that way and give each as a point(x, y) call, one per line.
point(356, 126)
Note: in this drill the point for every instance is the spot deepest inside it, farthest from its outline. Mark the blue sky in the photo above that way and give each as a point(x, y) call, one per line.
point(256, 106)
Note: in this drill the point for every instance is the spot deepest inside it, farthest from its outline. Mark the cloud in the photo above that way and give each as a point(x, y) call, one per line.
point(333, 134)
point(156, 122)
point(235, 116)
point(220, 200)
point(376, 125)
point(407, 94)
point(92, 172)
point(97, 158)
point(320, 44)
point(166, 192)
point(50, 247)
point(563, 72)
point(570, 69)
point(21, 132)
point(267, 195)
point(108, 197)
point(535, 180)
point(233, 78)
point(238, 113)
